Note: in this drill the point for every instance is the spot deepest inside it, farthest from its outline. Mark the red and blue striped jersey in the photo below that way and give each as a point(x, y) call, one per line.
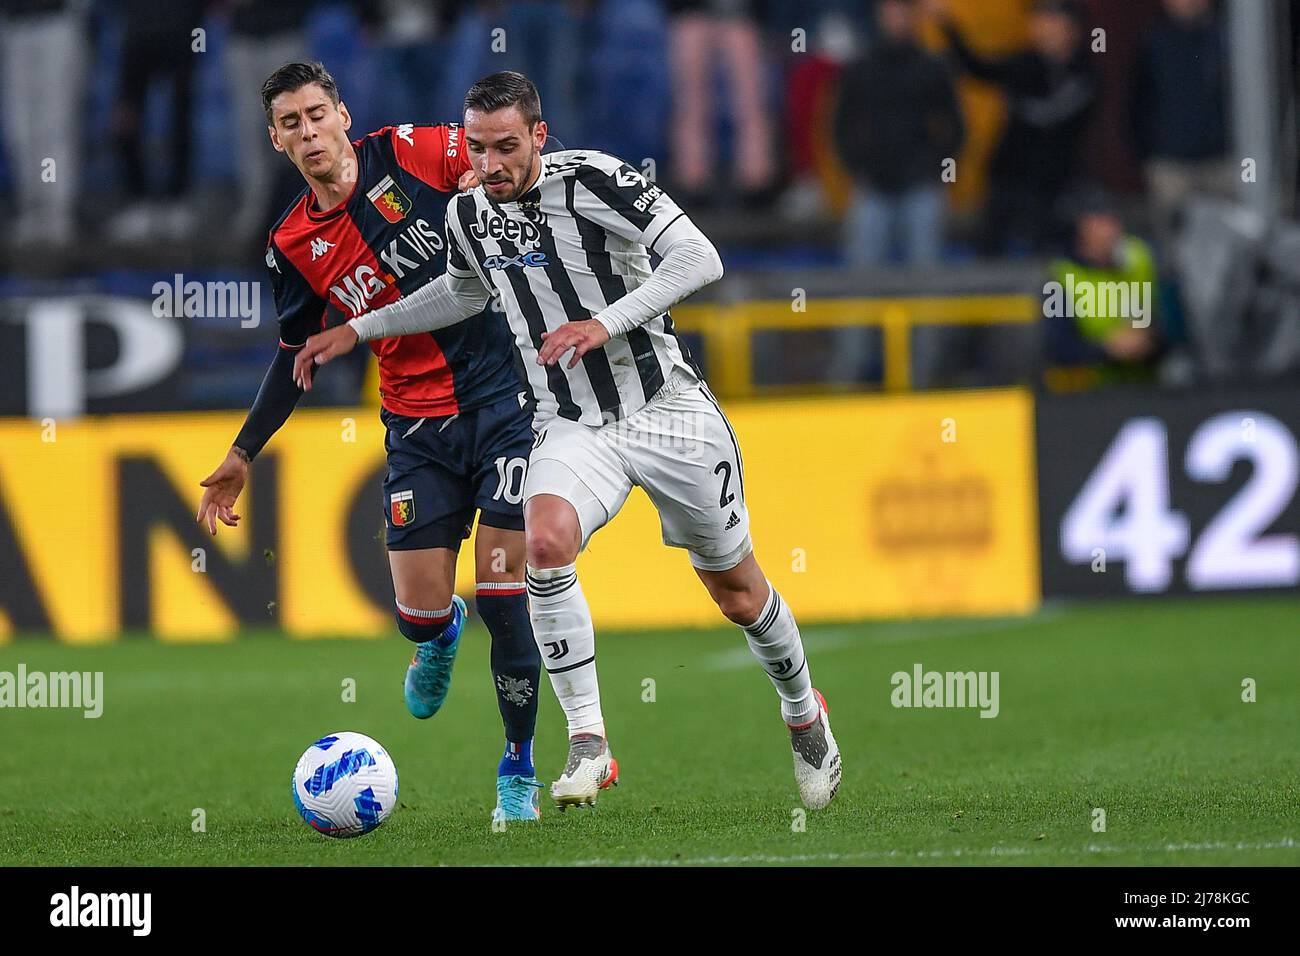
point(382, 243)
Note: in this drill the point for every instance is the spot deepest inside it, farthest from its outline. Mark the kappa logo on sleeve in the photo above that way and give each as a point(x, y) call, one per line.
point(401, 508)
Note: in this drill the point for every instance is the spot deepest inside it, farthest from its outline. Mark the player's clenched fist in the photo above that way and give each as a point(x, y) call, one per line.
point(582, 337)
point(320, 348)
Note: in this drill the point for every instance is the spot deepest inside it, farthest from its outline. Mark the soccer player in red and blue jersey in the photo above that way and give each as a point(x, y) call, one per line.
point(364, 232)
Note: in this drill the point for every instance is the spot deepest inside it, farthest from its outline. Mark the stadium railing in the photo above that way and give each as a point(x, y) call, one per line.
point(728, 329)
point(732, 316)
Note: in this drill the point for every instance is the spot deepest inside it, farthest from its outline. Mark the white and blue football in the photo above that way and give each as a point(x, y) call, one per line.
point(345, 784)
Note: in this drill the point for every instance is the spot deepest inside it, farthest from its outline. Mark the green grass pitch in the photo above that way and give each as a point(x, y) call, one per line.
point(1135, 708)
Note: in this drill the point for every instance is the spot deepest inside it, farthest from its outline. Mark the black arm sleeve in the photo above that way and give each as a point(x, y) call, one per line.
point(274, 403)
point(301, 313)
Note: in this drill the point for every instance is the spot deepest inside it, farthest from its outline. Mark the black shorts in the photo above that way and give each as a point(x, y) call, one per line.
point(440, 470)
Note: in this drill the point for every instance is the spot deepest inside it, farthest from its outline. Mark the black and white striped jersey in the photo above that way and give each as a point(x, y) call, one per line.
point(576, 242)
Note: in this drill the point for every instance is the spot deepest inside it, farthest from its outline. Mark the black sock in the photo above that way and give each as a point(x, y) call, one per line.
point(516, 662)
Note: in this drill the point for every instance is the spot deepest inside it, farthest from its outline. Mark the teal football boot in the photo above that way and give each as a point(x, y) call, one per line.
point(517, 799)
point(429, 676)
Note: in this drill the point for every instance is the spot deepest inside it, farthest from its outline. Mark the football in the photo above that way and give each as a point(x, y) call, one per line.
point(345, 784)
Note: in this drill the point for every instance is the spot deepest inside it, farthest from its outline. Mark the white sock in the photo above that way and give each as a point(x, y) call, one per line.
point(564, 634)
point(774, 639)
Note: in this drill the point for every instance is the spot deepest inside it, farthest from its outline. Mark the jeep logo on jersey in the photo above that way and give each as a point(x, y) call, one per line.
point(523, 261)
point(499, 227)
point(389, 199)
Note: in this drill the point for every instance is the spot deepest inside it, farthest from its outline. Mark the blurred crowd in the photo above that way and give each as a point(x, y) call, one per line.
point(921, 131)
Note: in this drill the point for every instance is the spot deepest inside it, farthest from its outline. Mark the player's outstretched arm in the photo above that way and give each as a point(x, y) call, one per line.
point(445, 301)
point(300, 310)
point(624, 202)
point(274, 404)
point(690, 262)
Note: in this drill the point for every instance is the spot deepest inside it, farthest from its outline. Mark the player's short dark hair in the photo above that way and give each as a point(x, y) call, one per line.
point(294, 76)
point(503, 90)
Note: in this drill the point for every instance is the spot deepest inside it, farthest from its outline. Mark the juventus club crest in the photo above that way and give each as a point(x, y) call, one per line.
point(401, 508)
point(389, 199)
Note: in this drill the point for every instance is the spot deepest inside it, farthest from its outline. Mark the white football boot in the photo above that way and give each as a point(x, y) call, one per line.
point(816, 758)
point(590, 768)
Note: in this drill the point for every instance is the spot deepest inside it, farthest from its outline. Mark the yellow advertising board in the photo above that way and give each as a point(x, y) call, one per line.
point(860, 507)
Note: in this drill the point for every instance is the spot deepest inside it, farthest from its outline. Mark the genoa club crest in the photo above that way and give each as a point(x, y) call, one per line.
point(389, 199)
point(401, 508)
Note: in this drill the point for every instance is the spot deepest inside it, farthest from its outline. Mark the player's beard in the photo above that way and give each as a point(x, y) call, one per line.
point(524, 179)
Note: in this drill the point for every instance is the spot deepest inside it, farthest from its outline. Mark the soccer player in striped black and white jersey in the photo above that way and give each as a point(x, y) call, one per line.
point(564, 240)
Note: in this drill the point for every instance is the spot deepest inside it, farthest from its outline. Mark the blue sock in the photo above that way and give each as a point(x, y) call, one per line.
point(517, 760)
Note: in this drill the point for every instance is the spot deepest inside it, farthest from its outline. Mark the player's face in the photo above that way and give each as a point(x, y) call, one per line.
point(506, 154)
point(313, 131)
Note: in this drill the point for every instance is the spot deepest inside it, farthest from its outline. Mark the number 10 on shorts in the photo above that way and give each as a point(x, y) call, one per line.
point(510, 479)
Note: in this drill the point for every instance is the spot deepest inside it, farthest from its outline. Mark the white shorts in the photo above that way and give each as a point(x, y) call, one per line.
point(680, 448)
